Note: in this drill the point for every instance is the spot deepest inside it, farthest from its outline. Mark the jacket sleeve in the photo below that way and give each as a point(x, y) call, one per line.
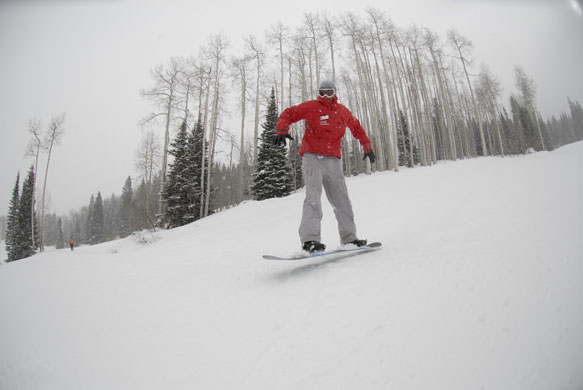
point(358, 132)
point(290, 116)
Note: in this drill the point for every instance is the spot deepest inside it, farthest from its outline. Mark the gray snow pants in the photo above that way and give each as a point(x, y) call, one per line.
point(327, 171)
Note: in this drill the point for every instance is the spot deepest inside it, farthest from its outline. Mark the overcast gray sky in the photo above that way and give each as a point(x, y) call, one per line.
point(91, 58)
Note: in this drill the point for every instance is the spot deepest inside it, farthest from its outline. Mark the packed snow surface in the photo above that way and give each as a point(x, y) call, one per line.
point(479, 285)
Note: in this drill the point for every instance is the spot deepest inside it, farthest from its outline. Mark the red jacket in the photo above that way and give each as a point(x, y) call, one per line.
point(326, 123)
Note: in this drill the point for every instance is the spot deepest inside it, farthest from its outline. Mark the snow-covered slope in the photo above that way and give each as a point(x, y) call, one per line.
point(479, 286)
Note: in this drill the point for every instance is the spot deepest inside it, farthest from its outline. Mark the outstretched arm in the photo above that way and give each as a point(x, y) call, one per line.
point(289, 116)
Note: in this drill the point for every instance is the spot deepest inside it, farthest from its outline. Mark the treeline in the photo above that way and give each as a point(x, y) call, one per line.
point(417, 94)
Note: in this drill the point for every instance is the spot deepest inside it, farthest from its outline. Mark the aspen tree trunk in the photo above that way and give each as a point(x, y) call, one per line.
point(415, 124)
point(166, 142)
point(527, 90)
point(372, 105)
point(277, 34)
point(391, 125)
point(212, 142)
point(463, 133)
point(301, 67)
point(258, 60)
point(330, 35)
point(496, 119)
point(367, 98)
point(352, 30)
point(163, 95)
point(311, 21)
point(54, 136)
point(490, 90)
point(429, 137)
point(204, 147)
point(34, 147)
point(345, 141)
point(395, 106)
point(241, 65)
point(454, 128)
point(217, 48)
point(404, 97)
point(459, 44)
point(442, 93)
point(386, 145)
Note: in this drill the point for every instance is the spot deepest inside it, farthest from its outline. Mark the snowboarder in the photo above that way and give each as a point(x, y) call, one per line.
point(71, 243)
point(326, 121)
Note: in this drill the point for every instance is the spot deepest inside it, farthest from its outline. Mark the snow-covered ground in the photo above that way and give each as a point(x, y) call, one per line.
point(479, 285)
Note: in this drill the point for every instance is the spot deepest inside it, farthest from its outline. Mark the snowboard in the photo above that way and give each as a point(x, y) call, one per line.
point(337, 254)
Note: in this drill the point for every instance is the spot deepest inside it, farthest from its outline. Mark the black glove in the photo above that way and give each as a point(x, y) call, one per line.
point(370, 156)
point(280, 139)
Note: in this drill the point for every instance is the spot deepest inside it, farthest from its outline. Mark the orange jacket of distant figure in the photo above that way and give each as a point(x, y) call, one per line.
point(326, 123)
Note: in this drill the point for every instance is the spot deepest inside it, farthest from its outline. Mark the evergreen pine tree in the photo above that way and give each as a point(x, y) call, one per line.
point(88, 223)
point(24, 239)
point(96, 225)
point(60, 236)
point(12, 222)
point(272, 177)
point(403, 141)
point(126, 209)
point(576, 119)
point(140, 202)
point(197, 151)
point(176, 190)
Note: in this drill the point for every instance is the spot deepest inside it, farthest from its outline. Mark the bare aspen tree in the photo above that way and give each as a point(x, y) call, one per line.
point(352, 29)
point(311, 22)
point(203, 74)
point(461, 103)
point(378, 103)
point(216, 52)
point(417, 129)
point(300, 51)
point(461, 46)
point(240, 66)
point(258, 54)
point(379, 25)
point(431, 41)
point(395, 43)
point(147, 161)
point(331, 36)
point(35, 145)
point(240, 74)
point(164, 96)
point(53, 137)
point(527, 92)
point(489, 92)
point(428, 139)
point(278, 34)
point(409, 103)
point(330, 33)
point(390, 37)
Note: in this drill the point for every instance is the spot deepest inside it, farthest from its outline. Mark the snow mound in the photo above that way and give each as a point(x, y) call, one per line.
point(479, 285)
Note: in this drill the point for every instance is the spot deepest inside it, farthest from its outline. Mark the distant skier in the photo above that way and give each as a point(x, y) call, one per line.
point(71, 243)
point(321, 151)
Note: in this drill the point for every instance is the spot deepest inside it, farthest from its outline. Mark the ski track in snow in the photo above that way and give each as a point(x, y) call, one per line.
point(479, 285)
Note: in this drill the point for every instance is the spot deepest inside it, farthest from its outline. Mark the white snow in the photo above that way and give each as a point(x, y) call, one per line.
point(479, 285)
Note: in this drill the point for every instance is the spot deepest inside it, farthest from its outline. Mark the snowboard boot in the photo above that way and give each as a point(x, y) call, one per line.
point(358, 243)
point(313, 246)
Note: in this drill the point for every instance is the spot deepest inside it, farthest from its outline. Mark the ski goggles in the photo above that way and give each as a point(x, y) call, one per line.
point(327, 93)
